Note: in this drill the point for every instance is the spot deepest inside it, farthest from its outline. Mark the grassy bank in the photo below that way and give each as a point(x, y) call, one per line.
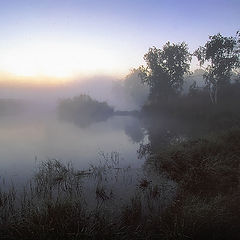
point(205, 204)
point(208, 198)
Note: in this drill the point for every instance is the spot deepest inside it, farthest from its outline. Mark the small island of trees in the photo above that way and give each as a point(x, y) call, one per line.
point(83, 110)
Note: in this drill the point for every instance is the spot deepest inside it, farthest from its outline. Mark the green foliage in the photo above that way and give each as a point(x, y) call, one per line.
point(165, 69)
point(221, 55)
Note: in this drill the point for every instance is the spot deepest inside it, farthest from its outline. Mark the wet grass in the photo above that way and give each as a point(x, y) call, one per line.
point(203, 204)
point(214, 160)
point(208, 197)
point(60, 202)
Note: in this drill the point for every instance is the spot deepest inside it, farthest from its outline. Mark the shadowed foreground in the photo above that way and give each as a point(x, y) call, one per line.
point(205, 205)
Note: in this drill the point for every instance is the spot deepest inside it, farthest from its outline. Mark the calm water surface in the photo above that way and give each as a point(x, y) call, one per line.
point(27, 140)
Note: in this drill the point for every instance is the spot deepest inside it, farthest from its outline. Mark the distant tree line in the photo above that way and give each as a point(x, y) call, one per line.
point(211, 103)
point(161, 82)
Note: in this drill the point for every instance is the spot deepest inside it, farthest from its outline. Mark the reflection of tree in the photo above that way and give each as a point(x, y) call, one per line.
point(134, 131)
point(163, 132)
point(84, 122)
point(157, 139)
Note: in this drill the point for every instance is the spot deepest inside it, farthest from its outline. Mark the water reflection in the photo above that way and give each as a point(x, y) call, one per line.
point(24, 137)
point(134, 130)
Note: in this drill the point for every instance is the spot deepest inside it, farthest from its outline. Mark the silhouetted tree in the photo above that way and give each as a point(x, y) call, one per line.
point(221, 54)
point(165, 70)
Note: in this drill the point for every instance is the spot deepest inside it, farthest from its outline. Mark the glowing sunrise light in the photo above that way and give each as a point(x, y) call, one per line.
point(58, 60)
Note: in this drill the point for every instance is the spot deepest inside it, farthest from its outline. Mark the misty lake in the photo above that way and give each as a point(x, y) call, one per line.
point(28, 139)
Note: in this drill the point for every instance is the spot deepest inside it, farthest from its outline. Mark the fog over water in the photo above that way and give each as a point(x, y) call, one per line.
point(29, 137)
point(31, 130)
point(101, 88)
point(119, 119)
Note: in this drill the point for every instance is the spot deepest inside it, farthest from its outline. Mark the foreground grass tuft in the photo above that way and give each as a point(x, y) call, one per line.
point(205, 204)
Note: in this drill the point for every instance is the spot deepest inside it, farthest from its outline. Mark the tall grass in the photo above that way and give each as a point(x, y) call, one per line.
point(210, 164)
point(207, 201)
point(60, 202)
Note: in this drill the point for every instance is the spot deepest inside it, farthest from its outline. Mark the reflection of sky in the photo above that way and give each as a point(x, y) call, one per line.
point(47, 138)
point(103, 36)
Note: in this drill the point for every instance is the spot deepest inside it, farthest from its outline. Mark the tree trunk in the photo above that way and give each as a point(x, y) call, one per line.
point(213, 93)
point(216, 95)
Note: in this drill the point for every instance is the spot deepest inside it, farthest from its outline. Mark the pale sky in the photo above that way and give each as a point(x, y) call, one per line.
point(56, 40)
